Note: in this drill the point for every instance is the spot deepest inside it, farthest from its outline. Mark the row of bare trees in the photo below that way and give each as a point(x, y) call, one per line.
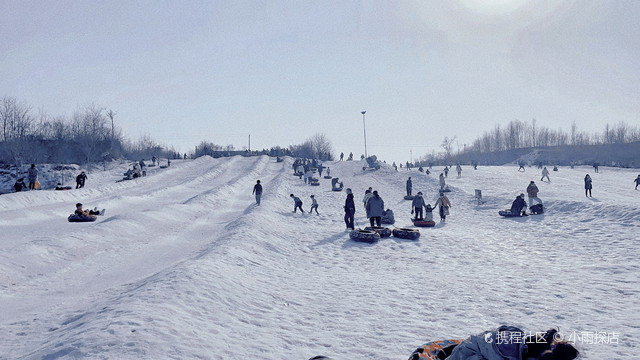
point(89, 135)
point(519, 134)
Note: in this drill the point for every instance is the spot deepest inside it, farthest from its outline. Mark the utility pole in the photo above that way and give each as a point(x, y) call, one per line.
point(364, 126)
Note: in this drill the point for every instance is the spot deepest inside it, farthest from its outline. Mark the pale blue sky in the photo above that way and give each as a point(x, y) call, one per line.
point(186, 71)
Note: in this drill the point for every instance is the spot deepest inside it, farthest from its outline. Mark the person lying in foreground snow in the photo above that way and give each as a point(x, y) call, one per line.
point(504, 343)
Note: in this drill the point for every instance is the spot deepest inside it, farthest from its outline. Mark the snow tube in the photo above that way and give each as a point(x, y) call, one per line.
point(381, 230)
point(81, 218)
point(314, 182)
point(327, 177)
point(435, 350)
point(409, 197)
point(405, 233)
point(507, 213)
point(423, 223)
point(368, 236)
point(336, 189)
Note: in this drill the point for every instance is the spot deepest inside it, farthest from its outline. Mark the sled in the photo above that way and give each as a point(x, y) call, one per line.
point(314, 182)
point(81, 218)
point(423, 223)
point(366, 236)
point(508, 213)
point(327, 177)
point(405, 233)
point(381, 230)
point(409, 197)
point(435, 350)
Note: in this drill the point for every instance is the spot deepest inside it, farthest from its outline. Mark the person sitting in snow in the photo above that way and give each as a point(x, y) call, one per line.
point(518, 205)
point(93, 212)
point(297, 203)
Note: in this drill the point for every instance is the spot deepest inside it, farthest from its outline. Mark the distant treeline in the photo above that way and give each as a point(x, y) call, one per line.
point(316, 147)
point(520, 141)
point(89, 135)
point(519, 134)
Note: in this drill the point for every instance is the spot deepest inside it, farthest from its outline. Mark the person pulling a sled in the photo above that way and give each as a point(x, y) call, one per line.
point(417, 204)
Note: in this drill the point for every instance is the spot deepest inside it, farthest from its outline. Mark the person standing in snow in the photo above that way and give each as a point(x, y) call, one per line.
point(637, 181)
point(367, 196)
point(32, 175)
point(257, 190)
point(532, 191)
point(314, 205)
point(409, 186)
point(297, 203)
point(545, 173)
point(416, 206)
point(459, 170)
point(349, 210)
point(428, 213)
point(80, 179)
point(375, 209)
point(442, 183)
point(443, 205)
point(587, 186)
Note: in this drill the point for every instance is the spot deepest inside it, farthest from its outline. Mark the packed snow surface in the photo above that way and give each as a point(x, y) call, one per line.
point(185, 265)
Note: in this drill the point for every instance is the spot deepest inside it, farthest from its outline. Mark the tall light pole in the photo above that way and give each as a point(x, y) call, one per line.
point(364, 127)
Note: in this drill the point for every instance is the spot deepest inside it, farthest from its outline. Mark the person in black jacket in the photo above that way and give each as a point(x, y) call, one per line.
point(349, 210)
point(257, 190)
point(518, 205)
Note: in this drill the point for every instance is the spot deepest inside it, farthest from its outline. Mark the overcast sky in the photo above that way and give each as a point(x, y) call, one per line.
point(282, 71)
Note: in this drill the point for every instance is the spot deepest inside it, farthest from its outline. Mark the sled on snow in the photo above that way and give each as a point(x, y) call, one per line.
point(409, 197)
point(81, 218)
point(384, 232)
point(366, 236)
point(423, 223)
point(435, 350)
point(406, 233)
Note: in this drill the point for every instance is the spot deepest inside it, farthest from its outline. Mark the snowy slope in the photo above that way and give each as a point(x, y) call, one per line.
point(185, 265)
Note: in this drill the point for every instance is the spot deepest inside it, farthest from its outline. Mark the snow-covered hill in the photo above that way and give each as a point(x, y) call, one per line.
point(184, 265)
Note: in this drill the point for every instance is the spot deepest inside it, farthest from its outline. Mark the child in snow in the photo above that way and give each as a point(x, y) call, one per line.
point(257, 190)
point(545, 173)
point(314, 205)
point(297, 203)
point(637, 181)
point(587, 186)
point(20, 185)
point(93, 212)
point(428, 213)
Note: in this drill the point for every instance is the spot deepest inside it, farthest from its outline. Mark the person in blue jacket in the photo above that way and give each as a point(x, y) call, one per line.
point(297, 203)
